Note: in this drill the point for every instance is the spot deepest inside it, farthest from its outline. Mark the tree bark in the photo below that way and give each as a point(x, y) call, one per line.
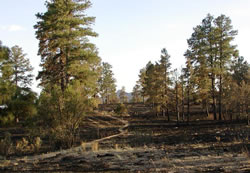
point(213, 96)
point(188, 103)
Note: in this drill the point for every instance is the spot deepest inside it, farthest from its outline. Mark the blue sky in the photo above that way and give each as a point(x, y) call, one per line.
point(131, 32)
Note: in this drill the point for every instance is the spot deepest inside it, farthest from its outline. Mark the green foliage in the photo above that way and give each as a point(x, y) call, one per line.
point(66, 53)
point(25, 145)
point(15, 77)
point(22, 146)
point(6, 146)
point(154, 83)
point(122, 95)
point(37, 143)
point(6, 120)
point(6, 86)
point(210, 54)
point(121, 109)
point(136, 94)
point(62, 112)
point(22, 70)
point(23, 104)
point(107, 85)
point(240, 69)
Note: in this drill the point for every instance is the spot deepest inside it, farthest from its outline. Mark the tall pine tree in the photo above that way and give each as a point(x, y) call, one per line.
point(107, 85)
point(65, 50)
point(224, 35)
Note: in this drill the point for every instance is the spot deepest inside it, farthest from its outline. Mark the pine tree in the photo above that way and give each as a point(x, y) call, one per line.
point(189, 80)
point(6, 86)
point(224, 35)
point(240, 69)
point(65, 50)
point(123, 97)
point(22, 70)
point(151, 83)
point(15, 81)
point(142, 83)
point(136, 94)
point(211, 53)
point(164, 79)
point(240, 93)
point(107, 83)
point(70, 66)
point(182, 86)
point(204, 60)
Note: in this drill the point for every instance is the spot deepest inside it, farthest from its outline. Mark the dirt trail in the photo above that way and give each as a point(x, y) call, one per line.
point(88, 145)
point(166, 150)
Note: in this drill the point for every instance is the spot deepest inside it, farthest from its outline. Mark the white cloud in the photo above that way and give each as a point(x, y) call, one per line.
point(12, 28)
point(16, 28)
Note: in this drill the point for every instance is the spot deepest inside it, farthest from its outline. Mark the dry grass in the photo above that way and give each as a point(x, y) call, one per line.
point(95, 146)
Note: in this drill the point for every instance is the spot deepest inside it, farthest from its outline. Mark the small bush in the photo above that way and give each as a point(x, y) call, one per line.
point(37, 143)
point(22, 146)
point(121, 109)
point(6, 145)
point(61, 113)
point(7, 120)
point(28, 146)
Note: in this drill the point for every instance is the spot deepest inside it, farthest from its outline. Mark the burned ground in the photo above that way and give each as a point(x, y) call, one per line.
point(134, 144)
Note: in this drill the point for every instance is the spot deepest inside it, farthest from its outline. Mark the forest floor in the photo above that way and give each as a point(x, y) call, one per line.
point(137, 144)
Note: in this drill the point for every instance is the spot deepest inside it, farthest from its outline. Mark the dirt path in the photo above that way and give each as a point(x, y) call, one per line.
point(88, 146)
point(58, 155)
point(159, 149)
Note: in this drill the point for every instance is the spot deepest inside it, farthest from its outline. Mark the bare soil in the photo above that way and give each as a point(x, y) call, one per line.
point(137, 144)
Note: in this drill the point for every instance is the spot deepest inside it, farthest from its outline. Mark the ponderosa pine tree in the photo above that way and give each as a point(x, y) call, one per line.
point(182, 87)
point(22, 103)
point(224, 35)
point(15, 81)
point(189, 80)
point(240, 93)
point(211, 53)
point(240, 69)
point(70, 67)
point(151, 83)
point(204, 60)
point(136, 94)
point(164, 79)
point(107, 83)
point(22, 70)
point(142, 84)
point(66, 53)
point(6, 71)
point(122, 95)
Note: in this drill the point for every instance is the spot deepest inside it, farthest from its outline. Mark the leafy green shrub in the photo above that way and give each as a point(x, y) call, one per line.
point(22, 146)
point(6, 145)
point(36, 144)
point(121, 109)
point(61, 113)
point(28, 146)
point(8, 119)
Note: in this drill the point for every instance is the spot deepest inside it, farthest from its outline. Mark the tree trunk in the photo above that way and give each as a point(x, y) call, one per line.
point(177, 103)
point(207, 108)
point(213, 96)
point(220, 97)
point(188, 104)
point(168, 115)
point(62, 75)
point(182, 103)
